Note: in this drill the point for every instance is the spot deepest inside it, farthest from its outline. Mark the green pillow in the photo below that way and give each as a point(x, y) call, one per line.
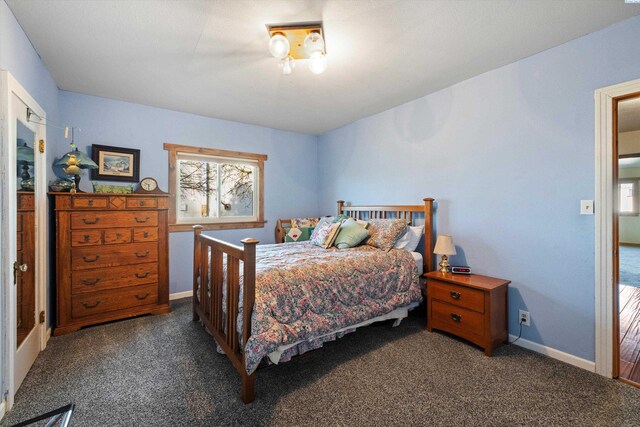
point(298, 234)
point(351, 234)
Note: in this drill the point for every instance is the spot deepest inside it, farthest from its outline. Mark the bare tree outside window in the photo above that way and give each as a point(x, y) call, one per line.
point(215, 188)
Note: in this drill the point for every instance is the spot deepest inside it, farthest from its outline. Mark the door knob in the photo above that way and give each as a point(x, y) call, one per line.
point(18, 267)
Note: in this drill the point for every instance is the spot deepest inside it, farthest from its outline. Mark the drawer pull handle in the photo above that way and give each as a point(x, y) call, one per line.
point(141, 202)
point(140, 298)
point(141, 220)
point(88, 282)
point(456, 317)
point(455, 295)
point(95, 220)
point(118, 236)
point(90, 305)
point(90, 202)
point(87, 259)
point(145, 234)
point(141, 255)
point(86, 237)
point(142, 276)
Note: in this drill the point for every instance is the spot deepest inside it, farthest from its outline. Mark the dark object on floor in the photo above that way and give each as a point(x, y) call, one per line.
point(63, 414)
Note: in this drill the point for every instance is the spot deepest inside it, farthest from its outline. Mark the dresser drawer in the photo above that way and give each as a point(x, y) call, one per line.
point(86, 237)
point(471, 299)
point(88, 202)
point(140, 202)
point(82, 220)
point(457, 320)
point(117, 235)
point(145, 235)
point(98, 279)
point(83, 258)
point(111, 300)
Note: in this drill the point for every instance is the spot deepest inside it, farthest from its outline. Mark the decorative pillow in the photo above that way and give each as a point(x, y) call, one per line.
point(351, 234)
point(304, 222)
point(385, 232)
point(341, 218)
point(297, 234)
point(365, 224)
point(325, 233)
point(410, 239)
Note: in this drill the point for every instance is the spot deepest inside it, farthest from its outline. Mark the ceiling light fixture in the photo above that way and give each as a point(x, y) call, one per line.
point(292, 42)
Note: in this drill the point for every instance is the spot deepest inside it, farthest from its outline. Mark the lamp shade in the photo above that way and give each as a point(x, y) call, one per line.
point(23, 152)
point(279, 46)
point(81, 160)
point(444, 245)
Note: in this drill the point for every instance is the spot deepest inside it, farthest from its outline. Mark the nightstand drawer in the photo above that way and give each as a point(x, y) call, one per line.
point(460, 296)
point(456, 319)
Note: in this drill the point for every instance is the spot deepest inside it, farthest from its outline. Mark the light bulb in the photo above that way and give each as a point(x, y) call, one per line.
point(318, 62)
point(287, 65)
point(313, 42)
point(279, 46)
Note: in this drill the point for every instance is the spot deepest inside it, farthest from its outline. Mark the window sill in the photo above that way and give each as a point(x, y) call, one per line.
point(217, 226)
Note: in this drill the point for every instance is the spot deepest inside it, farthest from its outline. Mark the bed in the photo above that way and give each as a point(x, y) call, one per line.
point(273, 301)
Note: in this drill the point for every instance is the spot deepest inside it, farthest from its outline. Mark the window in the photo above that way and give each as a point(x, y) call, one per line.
point(217, 189)
point(628, 191)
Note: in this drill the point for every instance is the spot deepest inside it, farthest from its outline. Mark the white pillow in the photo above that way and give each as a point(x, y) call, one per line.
point(410, 239)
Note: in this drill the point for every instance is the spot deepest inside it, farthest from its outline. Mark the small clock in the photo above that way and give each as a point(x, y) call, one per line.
point(148, 185)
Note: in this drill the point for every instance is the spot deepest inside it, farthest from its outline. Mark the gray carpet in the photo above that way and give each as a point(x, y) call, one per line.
point(164, 371)
point(630, 265)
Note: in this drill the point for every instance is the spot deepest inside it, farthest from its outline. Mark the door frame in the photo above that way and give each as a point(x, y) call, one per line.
point(9, 86)
point(606, 298)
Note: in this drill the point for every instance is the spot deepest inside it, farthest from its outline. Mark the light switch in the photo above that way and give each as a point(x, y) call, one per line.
point(586, 207)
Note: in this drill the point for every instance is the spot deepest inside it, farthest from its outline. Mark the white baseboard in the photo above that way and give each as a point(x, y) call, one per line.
point(48, 333)
point(3, 408)
point(555, 354)
point(180, 295)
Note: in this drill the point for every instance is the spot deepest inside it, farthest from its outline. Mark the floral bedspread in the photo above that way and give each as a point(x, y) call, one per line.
point(304, 291)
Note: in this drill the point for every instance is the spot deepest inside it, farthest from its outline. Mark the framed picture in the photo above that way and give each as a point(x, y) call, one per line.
point(115, 163)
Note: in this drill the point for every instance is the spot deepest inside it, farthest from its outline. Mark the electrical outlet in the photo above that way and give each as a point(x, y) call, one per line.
point(523, 317)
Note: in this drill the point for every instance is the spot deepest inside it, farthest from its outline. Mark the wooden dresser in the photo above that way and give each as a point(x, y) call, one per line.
point(473, 307)
point(112, 255)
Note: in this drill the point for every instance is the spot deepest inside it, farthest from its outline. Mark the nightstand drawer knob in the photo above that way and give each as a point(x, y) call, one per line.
point(455, 295)
point(456, 317)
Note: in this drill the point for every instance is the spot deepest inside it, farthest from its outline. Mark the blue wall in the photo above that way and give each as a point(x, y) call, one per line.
point(290, 172)
point(507, 155)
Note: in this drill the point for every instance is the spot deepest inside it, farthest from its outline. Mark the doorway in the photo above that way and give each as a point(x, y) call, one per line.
point(627, 238)
point(23, 236)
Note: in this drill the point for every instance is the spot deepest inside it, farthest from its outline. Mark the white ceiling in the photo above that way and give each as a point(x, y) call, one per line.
point(211, 58)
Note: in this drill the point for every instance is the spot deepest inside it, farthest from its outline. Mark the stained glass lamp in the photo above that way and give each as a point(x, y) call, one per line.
point(24, 156)
point(73, 162)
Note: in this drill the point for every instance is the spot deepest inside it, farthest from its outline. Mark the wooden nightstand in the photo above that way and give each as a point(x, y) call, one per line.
point(472, 307)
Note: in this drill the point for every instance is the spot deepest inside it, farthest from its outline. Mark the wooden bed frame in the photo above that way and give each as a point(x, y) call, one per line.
point(207, 298)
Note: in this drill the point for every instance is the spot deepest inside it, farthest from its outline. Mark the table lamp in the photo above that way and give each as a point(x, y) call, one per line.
point(24, 156)
point(444, 247)
point(73, 162)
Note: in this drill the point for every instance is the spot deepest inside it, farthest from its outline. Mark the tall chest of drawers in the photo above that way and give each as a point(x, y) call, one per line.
point(111, 258)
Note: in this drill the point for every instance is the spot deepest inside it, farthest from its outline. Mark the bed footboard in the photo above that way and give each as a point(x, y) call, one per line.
point(208, 283)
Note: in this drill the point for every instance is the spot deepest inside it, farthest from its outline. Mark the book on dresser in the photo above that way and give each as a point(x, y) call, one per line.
point(112, 255)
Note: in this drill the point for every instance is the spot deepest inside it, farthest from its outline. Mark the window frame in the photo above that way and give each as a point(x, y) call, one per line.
point(176, 149)
point(635, 202)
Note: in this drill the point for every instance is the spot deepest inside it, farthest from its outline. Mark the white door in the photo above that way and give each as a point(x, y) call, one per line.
point(26, 296)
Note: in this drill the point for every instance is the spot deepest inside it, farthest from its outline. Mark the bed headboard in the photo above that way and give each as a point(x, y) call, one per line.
point(399, 211)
